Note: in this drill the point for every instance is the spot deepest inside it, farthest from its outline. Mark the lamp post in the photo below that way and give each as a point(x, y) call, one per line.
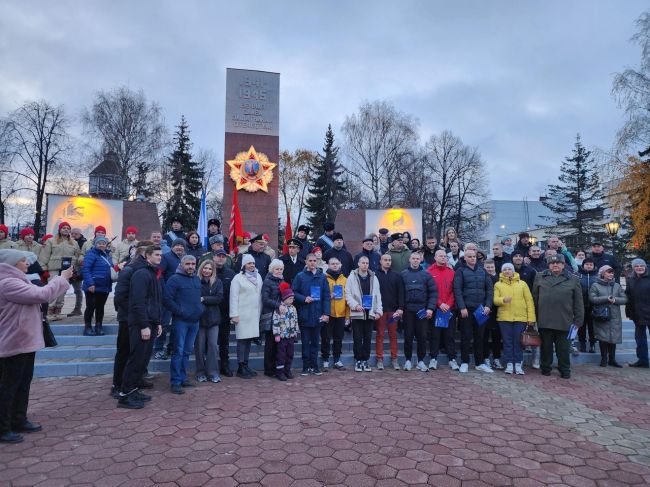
point(612, 228)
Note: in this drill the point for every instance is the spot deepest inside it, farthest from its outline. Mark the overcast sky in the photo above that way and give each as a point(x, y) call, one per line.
point(517, 79)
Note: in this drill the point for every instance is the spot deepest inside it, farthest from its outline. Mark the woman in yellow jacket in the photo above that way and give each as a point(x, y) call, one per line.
point(515, 309)
point(339, 315)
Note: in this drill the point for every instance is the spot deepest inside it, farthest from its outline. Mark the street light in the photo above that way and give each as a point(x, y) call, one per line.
point(612, 228)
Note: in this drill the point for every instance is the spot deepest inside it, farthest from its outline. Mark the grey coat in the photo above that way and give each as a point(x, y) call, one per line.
point(558, 301)
point(608, 331)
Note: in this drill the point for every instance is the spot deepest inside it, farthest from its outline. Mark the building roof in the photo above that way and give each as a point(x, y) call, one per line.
point(109, 165)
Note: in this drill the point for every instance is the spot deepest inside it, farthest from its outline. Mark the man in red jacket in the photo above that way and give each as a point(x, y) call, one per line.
point(443, 275)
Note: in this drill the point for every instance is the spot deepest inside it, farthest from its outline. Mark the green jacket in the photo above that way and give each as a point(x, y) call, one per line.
point(400, 260)
point(558, 301)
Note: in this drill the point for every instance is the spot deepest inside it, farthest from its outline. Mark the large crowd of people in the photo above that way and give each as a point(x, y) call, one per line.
point(174, 298)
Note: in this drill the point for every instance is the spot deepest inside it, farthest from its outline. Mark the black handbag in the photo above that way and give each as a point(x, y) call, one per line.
point(48, 336)
point(601, 313)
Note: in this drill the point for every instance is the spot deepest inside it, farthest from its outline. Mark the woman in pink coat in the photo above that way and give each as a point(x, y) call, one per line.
point(21, 335)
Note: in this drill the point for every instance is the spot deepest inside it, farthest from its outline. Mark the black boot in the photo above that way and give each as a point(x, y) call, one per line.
point(603, 354)
point(583, 347)
point(242, 372)
point(88, 330)
point(612, 356)
point(225, 369)
point(250, 371)
point(592, 347)
point(98, 329)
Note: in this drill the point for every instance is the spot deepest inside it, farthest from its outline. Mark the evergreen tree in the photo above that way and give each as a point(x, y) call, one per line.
point(326, 186)
point(577, 202)
point(186, 180)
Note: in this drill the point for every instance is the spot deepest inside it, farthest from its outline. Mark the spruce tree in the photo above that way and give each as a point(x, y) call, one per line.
point(326, 186)
point(186, 180)
point(577, 202)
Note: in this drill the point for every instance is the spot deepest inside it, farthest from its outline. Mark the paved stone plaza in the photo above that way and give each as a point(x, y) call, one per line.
point(344, 428)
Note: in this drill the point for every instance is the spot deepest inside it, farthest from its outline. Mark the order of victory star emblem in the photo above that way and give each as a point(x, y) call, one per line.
point(251, 170)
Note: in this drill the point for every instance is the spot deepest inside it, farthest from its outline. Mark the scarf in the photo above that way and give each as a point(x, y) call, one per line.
point(251, 276)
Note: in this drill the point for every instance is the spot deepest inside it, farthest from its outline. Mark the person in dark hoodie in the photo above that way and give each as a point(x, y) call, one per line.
point(536, 259)
point(183, 299)
point(523, 244)
point(368, 250)
point(144, 316)
point(588, 275)
point(526, 272)
point(638, 309)
point(430, 248)
point(121, 303)
point(168, 265)
point(499, 257)
point(420, 298)
point(339, 251)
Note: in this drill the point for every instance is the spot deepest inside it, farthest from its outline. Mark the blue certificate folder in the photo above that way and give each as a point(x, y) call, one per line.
point(337, 291)
point(422, 314)
point(367, 301)
point(314, 292)
point(442, 319)
point(573, 332)
point(481, 318)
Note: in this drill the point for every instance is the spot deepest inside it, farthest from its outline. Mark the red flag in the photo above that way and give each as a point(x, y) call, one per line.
point(288, 234)
point(236, 233)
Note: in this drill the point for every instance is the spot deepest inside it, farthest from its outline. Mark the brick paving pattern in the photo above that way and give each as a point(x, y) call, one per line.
point(344, 428)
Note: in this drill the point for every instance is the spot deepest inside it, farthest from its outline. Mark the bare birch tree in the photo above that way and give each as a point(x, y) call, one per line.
point(295, 175)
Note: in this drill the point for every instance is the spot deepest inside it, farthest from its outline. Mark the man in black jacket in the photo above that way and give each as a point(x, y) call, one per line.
point(526, 272)
point(391, 287)
point(601, 259)
point(121, 302)
point(499, 257)
point(339, 251)
point(226, 276)
point(638, 308)
point(325, 241)
point(472, 289)
point(536, 259)
point(293, 264)
point(420, 298)
point(367, 250)
point(302, 234)
point(144, 316)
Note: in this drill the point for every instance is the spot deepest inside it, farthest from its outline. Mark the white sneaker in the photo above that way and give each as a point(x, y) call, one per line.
point(497, 364)
point(487, 362)
point(380, 364)
point(407, 365)
point(326, 365)
point(339, 365)
point(518, 369)
point(509, 368)
point(453, 365)
point(358, 367)
point(485, 368)
point(463, 368)
point(422, 367)
point(535, 358)
point(396, 365)
point(433, 364)
point(366, 367)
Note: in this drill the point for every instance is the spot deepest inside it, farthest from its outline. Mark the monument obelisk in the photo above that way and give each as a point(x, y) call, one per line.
point(252, 149)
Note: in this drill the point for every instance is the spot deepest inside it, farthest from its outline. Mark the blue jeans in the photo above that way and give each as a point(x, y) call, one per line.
point(511, 336)
point(159, 343)
point(184, 338)
point(310, 338)
point(641, 343)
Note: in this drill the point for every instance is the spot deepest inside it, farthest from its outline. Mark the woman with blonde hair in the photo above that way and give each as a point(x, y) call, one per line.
point(207, 339)
point(450, 236)
point(58, 254)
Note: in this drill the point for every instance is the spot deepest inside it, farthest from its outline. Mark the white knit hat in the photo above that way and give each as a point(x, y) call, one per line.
point(13, 256)
point(247, 259)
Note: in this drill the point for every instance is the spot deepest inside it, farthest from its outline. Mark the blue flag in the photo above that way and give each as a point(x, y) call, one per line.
point(202, 225)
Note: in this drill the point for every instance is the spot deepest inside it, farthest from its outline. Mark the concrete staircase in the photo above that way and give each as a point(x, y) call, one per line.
point(78, 355)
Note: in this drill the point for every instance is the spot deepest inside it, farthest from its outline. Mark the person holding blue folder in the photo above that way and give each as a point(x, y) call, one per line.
point(558, 301)
point(364, 299)
point(473, 292)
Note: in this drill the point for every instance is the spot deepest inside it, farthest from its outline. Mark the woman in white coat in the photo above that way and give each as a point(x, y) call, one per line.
point(245, 311)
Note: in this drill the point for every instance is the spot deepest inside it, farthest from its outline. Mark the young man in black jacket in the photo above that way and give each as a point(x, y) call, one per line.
point(472, 289)
point(144, 316)
point(121, 302)
point(420, 298)
point(391, 287)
